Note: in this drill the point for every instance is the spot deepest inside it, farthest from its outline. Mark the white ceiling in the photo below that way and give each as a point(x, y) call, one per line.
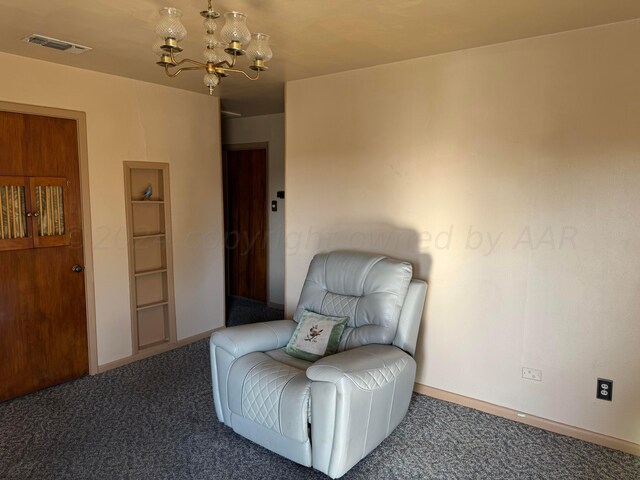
point(309, 37)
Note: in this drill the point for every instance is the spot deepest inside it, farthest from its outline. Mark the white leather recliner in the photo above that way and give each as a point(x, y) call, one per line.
point(329, 414)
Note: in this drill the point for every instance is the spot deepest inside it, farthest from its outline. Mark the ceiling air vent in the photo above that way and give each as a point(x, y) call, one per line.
point(56, 44)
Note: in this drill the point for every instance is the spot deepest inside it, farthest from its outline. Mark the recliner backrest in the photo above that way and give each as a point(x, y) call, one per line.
point(369, 289)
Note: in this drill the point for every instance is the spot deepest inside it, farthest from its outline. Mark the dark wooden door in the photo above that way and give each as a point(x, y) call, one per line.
point(246, 223)
point(43, 334)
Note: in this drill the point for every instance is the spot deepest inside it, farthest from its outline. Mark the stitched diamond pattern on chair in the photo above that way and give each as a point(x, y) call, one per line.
point(261, 392)
point(377, 377)
point(340, 306)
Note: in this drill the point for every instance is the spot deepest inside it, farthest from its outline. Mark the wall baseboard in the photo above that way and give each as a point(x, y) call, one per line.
point(539, 422)
point(155, 351)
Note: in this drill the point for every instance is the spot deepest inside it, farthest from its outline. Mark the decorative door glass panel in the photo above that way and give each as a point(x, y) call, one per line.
point(50, 205)
point(13, 214)
point(49, 201)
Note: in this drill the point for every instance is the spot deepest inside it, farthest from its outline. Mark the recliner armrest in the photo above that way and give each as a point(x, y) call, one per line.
point(366, 366)
point(255, 337)
point(357, 398)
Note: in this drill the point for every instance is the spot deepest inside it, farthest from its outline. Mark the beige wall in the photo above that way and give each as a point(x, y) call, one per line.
point(269, 129)
point(535, 146)
point(129, 120)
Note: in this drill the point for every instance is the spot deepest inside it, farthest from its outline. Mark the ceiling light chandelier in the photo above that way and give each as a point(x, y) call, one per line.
point(220, 55)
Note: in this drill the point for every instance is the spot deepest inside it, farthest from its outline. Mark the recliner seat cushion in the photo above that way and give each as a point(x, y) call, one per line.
point(369, 289)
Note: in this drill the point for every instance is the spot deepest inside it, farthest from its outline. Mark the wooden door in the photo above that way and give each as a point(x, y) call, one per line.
point(43, 333)
point(246, 223)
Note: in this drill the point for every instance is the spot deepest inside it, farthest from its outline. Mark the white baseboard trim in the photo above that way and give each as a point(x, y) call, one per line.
point(154, 351)
point(539, 422)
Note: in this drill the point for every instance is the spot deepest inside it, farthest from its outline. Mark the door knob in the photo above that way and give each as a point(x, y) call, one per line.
point(77, 268)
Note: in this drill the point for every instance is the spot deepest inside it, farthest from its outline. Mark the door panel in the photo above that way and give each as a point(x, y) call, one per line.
point(246, 223)
point(43, 337)
point(11, 140)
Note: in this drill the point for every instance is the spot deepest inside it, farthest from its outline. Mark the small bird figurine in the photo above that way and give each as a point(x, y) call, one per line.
point(147, 193)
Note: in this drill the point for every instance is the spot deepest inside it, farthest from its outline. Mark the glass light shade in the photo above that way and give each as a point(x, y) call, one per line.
point(210, 24)
point(259, 48)
point(235, 28)
point(211, 80)
point(169, 25)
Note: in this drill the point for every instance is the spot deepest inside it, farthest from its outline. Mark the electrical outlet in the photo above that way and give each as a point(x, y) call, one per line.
point(532, 374)
point(605, 389)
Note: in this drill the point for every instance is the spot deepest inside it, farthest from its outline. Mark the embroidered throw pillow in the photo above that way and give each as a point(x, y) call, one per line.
point(316, 336)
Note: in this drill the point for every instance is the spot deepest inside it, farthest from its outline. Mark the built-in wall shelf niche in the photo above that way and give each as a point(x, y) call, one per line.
point(148, 204)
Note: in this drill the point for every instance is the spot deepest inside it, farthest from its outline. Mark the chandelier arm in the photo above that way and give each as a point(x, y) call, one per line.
point(186, 60)
point(179, 71)
point(235, 70)
point(192, 62)
point(222, 65)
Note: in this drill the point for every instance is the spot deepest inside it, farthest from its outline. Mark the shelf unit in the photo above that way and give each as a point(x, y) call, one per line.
point(153, 319)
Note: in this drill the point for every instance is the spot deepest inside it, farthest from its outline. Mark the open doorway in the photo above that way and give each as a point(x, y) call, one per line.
point(246, 210)
point(253, 167)
point(245, 222)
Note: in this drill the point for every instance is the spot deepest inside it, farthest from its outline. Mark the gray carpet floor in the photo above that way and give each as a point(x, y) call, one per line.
point(154, 419)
